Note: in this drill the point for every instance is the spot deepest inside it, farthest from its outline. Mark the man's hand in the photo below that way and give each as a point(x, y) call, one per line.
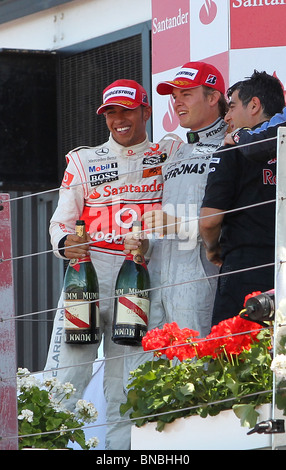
point(228, 140)
point(161, 222)
point(210, 227)
point(214, 256)
point(133, 241)
point(230, 137)
point(79, 250)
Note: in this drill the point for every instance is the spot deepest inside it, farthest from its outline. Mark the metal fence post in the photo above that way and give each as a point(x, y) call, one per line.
point(279, 440)
point(8, 385)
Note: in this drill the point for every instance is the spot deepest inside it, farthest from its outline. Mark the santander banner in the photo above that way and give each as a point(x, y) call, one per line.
point(184, 30)
point(257, 23)
point(237, 36)
point(170, 26)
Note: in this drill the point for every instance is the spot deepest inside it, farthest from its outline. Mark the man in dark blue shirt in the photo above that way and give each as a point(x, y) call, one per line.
point(243, 237)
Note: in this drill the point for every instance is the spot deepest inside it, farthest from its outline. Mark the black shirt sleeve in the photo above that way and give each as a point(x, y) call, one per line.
point(260, 150)
point(222, 180)
point(61, 246)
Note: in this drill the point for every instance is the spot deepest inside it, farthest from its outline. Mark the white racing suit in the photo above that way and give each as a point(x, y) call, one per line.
point(109, 187)
point(183, 255)
point(183, 258)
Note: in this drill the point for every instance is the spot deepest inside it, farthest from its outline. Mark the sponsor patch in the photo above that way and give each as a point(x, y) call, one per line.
point(154, 171)
point(120, 91)
point(187, 73)
point(211, 79)
point(215, 160)
point(67, 179)
point(102, 173)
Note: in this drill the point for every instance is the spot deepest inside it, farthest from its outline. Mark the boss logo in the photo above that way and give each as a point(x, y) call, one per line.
point(99, 178)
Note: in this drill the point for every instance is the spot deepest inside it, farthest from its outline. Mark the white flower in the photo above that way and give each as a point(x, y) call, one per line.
point(86, 411)
point(26, 381)
point(58, 406)
point(27, 415)
point(31, 391)
point(92, 442)
point(63, 428)
point(23, 371)
point(278, 366)
point(68, 389)
point(53, 385)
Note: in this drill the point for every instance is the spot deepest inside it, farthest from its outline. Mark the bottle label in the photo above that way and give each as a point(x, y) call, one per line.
point(77, 315)
point(132, 309)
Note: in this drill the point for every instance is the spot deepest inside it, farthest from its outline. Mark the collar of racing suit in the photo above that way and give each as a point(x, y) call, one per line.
point(210, 131)
point(128, 151)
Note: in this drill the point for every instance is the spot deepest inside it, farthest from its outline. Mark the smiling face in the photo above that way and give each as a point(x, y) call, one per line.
point(238, 115)
point(195, 108)
point(127, 126)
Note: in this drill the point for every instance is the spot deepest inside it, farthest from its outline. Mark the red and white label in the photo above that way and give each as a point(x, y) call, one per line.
point(132, 309)
point(77, 315)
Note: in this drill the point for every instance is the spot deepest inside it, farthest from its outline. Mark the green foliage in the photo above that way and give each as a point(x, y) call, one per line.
point(44, 422)
point(161, 392)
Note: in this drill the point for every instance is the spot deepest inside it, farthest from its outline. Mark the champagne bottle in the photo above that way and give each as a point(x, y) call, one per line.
point(131, 307)
point(80, 292)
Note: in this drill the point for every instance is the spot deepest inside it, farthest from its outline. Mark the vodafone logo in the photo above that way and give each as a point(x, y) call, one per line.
point(125, 217)
point(208, 12)
point(67, 179)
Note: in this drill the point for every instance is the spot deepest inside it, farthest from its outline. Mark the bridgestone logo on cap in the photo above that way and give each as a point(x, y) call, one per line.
point(187, 73)
point(211, 79)
point(119, 91)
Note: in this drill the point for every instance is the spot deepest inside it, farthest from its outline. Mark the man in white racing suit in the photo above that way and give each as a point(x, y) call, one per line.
point(109, 187)
point(198, 92)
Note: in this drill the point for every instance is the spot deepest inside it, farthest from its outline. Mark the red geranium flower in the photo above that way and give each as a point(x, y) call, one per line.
point(231, 336)
point(177, 342)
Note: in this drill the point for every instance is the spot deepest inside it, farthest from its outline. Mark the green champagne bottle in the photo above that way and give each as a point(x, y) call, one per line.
point(80, 293)
point(131, 307)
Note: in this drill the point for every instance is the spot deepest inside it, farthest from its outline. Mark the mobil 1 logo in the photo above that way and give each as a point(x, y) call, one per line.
point(103, 173)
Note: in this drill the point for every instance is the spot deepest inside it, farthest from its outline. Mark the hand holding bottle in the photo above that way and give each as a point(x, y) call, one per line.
point(133, 241)
point(74, 247)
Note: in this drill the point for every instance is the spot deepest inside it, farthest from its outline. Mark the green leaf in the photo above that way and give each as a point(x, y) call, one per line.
point(187, 389)
point(150, 375)
point(79, 437)
point(124, 407)
point(247, 414)
point(53, 424)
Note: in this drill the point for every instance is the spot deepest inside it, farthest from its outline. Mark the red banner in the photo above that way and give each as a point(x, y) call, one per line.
point(170, 34)
point(257, 23)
